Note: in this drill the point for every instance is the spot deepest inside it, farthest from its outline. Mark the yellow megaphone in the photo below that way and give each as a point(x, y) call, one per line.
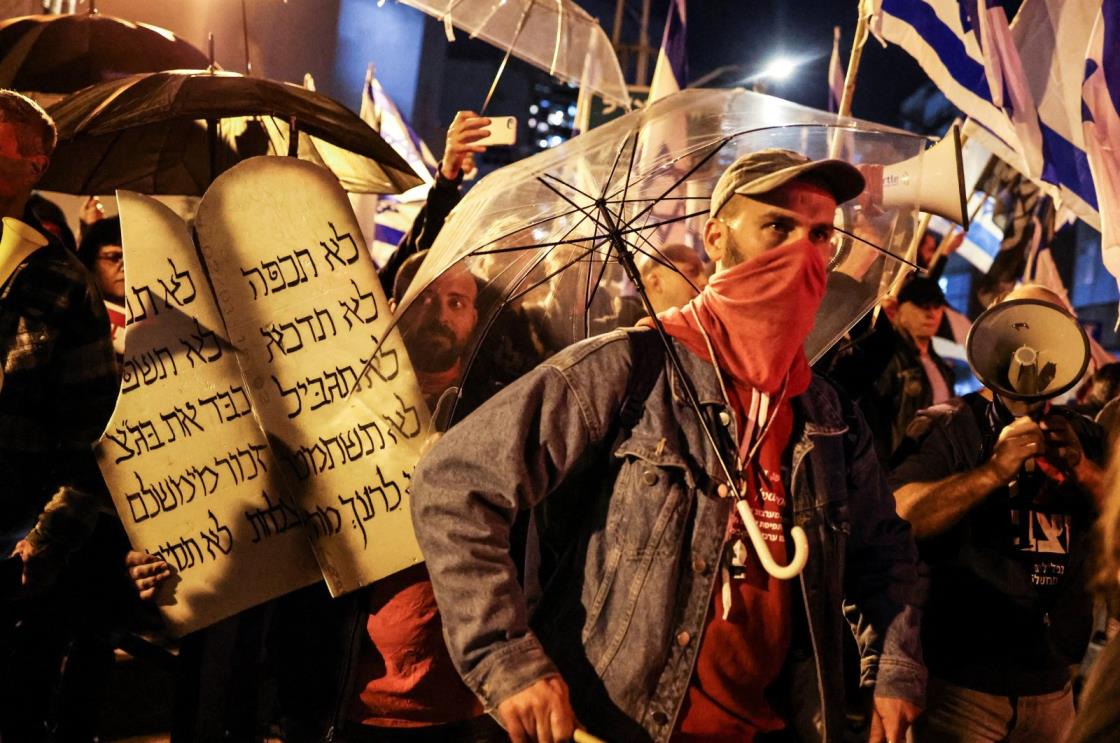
point(19, 241)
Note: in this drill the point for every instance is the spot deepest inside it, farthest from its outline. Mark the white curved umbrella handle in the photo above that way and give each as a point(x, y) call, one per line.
point(582, 736)
point(800, 546)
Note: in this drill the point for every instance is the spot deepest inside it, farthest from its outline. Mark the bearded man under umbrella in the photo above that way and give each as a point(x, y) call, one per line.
point(656, 621)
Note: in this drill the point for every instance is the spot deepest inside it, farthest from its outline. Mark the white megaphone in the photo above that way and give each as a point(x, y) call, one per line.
point(1027, 349)
point(20, 240)
point(933, 181)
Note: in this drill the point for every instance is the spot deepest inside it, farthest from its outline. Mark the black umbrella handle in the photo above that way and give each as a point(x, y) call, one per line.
point(762, 550)
point(626, 258)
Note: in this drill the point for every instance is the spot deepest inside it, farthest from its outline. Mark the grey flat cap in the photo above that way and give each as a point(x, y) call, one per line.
point(765, 170)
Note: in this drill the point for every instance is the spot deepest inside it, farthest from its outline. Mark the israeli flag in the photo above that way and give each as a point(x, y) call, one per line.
point(379, 111)
point(982, 241)
point(944, 37)
point(1007, 83)
point(1052, 36)
point(385, 219)
point(1049, 37)
point(392, 220)
point(1100, 119)
point(670, 74)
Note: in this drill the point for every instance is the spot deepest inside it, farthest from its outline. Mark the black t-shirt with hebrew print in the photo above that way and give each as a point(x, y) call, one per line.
point(1008, 611)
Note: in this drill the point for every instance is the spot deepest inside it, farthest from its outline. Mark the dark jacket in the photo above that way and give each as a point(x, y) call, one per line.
point(623, 614)
point(883, 371)
point(58, 387)
point(443, 196)
point(901, 391)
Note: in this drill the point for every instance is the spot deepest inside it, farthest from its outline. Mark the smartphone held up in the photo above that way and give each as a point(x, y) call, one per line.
point(503, 132)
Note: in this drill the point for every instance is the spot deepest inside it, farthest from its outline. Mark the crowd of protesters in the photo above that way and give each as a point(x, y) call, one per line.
point(587, 566)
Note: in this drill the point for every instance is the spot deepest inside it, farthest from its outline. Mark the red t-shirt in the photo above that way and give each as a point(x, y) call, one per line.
point(405, 675)
point(741, 655)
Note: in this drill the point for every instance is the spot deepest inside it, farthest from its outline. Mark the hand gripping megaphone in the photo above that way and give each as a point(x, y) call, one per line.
point(1027, 350)
point(933, 181)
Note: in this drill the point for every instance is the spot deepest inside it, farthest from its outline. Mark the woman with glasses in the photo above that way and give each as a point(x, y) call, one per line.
point(102, 254)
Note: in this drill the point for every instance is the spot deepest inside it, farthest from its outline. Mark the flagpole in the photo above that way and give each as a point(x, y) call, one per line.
point(862, 28)
point(834, 95)
point(844, 107)
point(245, 36)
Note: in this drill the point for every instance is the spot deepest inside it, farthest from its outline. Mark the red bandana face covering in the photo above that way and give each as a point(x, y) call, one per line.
point(757, 316)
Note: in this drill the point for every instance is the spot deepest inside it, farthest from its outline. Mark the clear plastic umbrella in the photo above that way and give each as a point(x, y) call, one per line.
point(554, 241)
point(554, 35)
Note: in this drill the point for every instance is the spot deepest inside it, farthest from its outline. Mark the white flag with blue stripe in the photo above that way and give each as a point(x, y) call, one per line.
point(1052, 37)
point(1007, 83)
point(392, 220)
point(966, 48)
point(384, 220)
point(668, 134)
point(670, 74)
point(379, 111)
point(944, 36)
point(1100, 115)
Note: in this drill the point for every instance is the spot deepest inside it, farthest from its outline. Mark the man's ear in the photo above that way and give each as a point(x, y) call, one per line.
point(890, 307)
point(392, 305)
point(39, 164)
point(715, 239)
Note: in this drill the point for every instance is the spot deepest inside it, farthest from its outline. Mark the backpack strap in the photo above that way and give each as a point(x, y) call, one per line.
point(647, 360)
point(551, 529)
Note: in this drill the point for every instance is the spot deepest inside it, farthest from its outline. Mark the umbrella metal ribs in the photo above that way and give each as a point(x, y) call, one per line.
point(625, 256)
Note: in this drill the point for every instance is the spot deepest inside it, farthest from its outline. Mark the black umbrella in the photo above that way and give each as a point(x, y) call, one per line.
point(173, 132)
point(64, 53)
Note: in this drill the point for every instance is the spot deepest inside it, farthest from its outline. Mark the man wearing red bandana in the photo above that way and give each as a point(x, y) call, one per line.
point(650, 616)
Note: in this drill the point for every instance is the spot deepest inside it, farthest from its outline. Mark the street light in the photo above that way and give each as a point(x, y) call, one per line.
point(779, 69)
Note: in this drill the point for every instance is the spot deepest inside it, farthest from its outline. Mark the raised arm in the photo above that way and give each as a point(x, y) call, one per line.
point(934, 506)
point(458, 158)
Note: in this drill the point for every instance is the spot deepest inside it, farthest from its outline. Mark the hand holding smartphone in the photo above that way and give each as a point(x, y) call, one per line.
point(503, 132)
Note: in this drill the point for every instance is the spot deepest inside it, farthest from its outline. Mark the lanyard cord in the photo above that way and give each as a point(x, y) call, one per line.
point(758, 410)
point(758, 400)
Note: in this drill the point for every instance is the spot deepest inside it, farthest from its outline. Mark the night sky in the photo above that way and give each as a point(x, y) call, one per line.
point(747, 33)
point(751, 32)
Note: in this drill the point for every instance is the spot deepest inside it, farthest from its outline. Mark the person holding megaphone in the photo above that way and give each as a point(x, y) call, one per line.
point(1000, 488)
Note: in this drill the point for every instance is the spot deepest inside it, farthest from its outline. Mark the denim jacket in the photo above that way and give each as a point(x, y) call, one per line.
point(622, 616)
